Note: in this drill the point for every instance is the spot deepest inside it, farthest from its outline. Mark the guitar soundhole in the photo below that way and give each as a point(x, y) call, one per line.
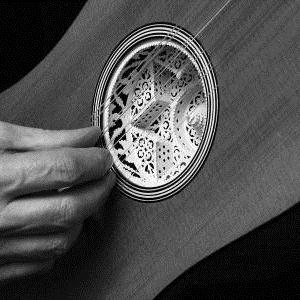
point(156, 102)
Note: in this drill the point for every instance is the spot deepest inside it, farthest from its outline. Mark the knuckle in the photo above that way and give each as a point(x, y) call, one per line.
point(67, 167)
point(68, 211)
point(12, 177)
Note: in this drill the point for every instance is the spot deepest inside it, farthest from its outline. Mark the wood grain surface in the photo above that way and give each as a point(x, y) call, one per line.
point(250, 175)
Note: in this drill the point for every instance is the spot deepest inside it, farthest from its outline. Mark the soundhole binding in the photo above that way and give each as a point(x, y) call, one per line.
point(156, 102)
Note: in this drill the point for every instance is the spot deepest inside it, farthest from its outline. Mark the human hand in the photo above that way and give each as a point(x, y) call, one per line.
point(50, 182)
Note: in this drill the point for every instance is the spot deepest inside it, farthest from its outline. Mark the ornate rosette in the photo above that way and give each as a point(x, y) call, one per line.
point(156, 102)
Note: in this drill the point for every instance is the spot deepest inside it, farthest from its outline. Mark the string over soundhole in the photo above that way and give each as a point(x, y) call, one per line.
point(158, 107)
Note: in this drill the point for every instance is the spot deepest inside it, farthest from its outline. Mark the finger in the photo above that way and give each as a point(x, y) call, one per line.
point(23, 248)
point(14, 137)
point(55, 212)
point(19, 270)
point(31, 172)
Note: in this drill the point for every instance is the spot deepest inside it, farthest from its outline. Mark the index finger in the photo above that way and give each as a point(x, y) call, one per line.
point(36, 171)
point(20, 138)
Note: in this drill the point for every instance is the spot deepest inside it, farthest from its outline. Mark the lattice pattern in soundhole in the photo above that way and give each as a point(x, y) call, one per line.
point(159, 112)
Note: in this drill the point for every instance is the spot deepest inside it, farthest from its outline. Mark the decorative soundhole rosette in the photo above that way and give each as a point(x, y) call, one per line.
point(156, 102)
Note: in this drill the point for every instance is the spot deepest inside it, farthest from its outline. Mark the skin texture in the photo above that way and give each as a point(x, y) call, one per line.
point(50, 182)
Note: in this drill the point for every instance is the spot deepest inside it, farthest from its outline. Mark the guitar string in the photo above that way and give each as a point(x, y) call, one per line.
point(152, 121)
point(98, 110)
point(149, 59)
point(164, 86)
point(145, 136)
point(201, 30)
point(111, 123)
point(160, 71)
point(211, 68)
point(121, 160)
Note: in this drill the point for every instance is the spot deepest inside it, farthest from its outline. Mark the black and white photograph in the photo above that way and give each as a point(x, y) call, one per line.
point(149, 149)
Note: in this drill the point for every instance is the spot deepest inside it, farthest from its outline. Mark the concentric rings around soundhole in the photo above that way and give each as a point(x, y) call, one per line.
point(156, 102)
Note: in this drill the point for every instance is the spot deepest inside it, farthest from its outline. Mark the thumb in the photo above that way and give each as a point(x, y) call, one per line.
point(14, 137)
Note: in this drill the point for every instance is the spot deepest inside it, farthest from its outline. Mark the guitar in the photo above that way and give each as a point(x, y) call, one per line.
point(249, 174)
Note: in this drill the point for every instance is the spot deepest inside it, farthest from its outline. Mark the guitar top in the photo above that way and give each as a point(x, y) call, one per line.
point(248, 174)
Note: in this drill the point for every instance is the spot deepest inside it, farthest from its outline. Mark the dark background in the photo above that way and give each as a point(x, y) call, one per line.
point(28, 31)
point(264, 263)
